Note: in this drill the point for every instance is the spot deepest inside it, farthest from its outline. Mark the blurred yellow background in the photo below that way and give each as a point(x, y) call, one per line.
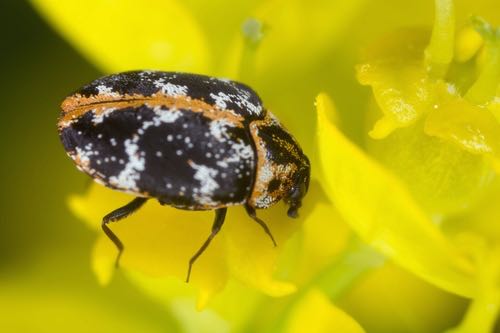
point(46, 282)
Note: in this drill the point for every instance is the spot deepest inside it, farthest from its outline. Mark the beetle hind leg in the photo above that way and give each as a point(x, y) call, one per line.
point(220, 216)
point(253, 214)
point(116, 215)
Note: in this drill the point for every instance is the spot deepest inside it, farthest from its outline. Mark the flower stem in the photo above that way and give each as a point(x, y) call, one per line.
point(484, 309)
point(337, 278)
point(439, 52)
point(481, 315)
point(485, 87)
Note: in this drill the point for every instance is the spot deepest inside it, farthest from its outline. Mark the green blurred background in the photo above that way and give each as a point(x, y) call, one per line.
point(46, 284)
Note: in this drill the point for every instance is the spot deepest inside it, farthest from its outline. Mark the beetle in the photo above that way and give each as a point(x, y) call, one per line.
point(189, 141)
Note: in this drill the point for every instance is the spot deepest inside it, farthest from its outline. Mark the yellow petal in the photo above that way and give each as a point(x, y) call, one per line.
point(467, 44)
point(251, 254)
point(472, 128)
point(314, 313)
point(494, 106)
point(158, 240)
point(324, 236)
point(443, 178)
point(298, 39)
point(483, 311)
point(122, 35)
point(380, 209)
point(299, 32)
point(394, 69)
point(103, 260)
point(51, 310)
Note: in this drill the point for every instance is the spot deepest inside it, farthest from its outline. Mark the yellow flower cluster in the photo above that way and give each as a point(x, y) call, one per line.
point(422, 193)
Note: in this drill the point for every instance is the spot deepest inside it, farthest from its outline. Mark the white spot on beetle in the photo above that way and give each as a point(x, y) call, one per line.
point(105, 90)
point(206, 176)
point(162, 116)
point(241, 99)
point(99, 118)
point(239, 152)
point(220, 99)
point(131, 172)
point(169, 88)
point(218, 129)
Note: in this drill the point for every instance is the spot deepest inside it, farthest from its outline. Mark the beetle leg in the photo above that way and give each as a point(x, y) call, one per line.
point(253, 214)
point(220, 215)
point(117, 215)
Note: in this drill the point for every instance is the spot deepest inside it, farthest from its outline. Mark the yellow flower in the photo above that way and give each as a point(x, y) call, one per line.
point(411, 195)
point(160, 240)
point(440, 136)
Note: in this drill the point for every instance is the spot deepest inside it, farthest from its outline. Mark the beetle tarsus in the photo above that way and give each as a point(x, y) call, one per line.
point(253, 214)
point(220, 215)
point(117, 215)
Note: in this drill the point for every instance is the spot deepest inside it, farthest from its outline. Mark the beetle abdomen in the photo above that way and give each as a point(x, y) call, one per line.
point(185, 157)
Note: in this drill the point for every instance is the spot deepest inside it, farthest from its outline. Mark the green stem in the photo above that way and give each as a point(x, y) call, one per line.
point(485, 87)
point(483, 311)
point(481, 315)
point(439, 52)
point(335, 279)
point(339, 277)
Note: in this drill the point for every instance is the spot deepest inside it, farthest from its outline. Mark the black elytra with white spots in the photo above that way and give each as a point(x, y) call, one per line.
point(182, 157)
point(175, 162)
point(226, 94)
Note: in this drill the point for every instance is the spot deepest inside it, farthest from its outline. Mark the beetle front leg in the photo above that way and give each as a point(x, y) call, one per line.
point(117, 215)
point(253, 214)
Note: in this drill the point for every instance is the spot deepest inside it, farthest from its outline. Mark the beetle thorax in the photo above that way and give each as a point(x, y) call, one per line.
point(279, 159)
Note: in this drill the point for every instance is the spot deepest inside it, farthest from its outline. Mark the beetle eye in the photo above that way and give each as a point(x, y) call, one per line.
point(296, 194)
point(298, 191)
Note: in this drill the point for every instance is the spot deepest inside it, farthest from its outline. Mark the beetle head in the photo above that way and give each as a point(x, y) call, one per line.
point(298, 190)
